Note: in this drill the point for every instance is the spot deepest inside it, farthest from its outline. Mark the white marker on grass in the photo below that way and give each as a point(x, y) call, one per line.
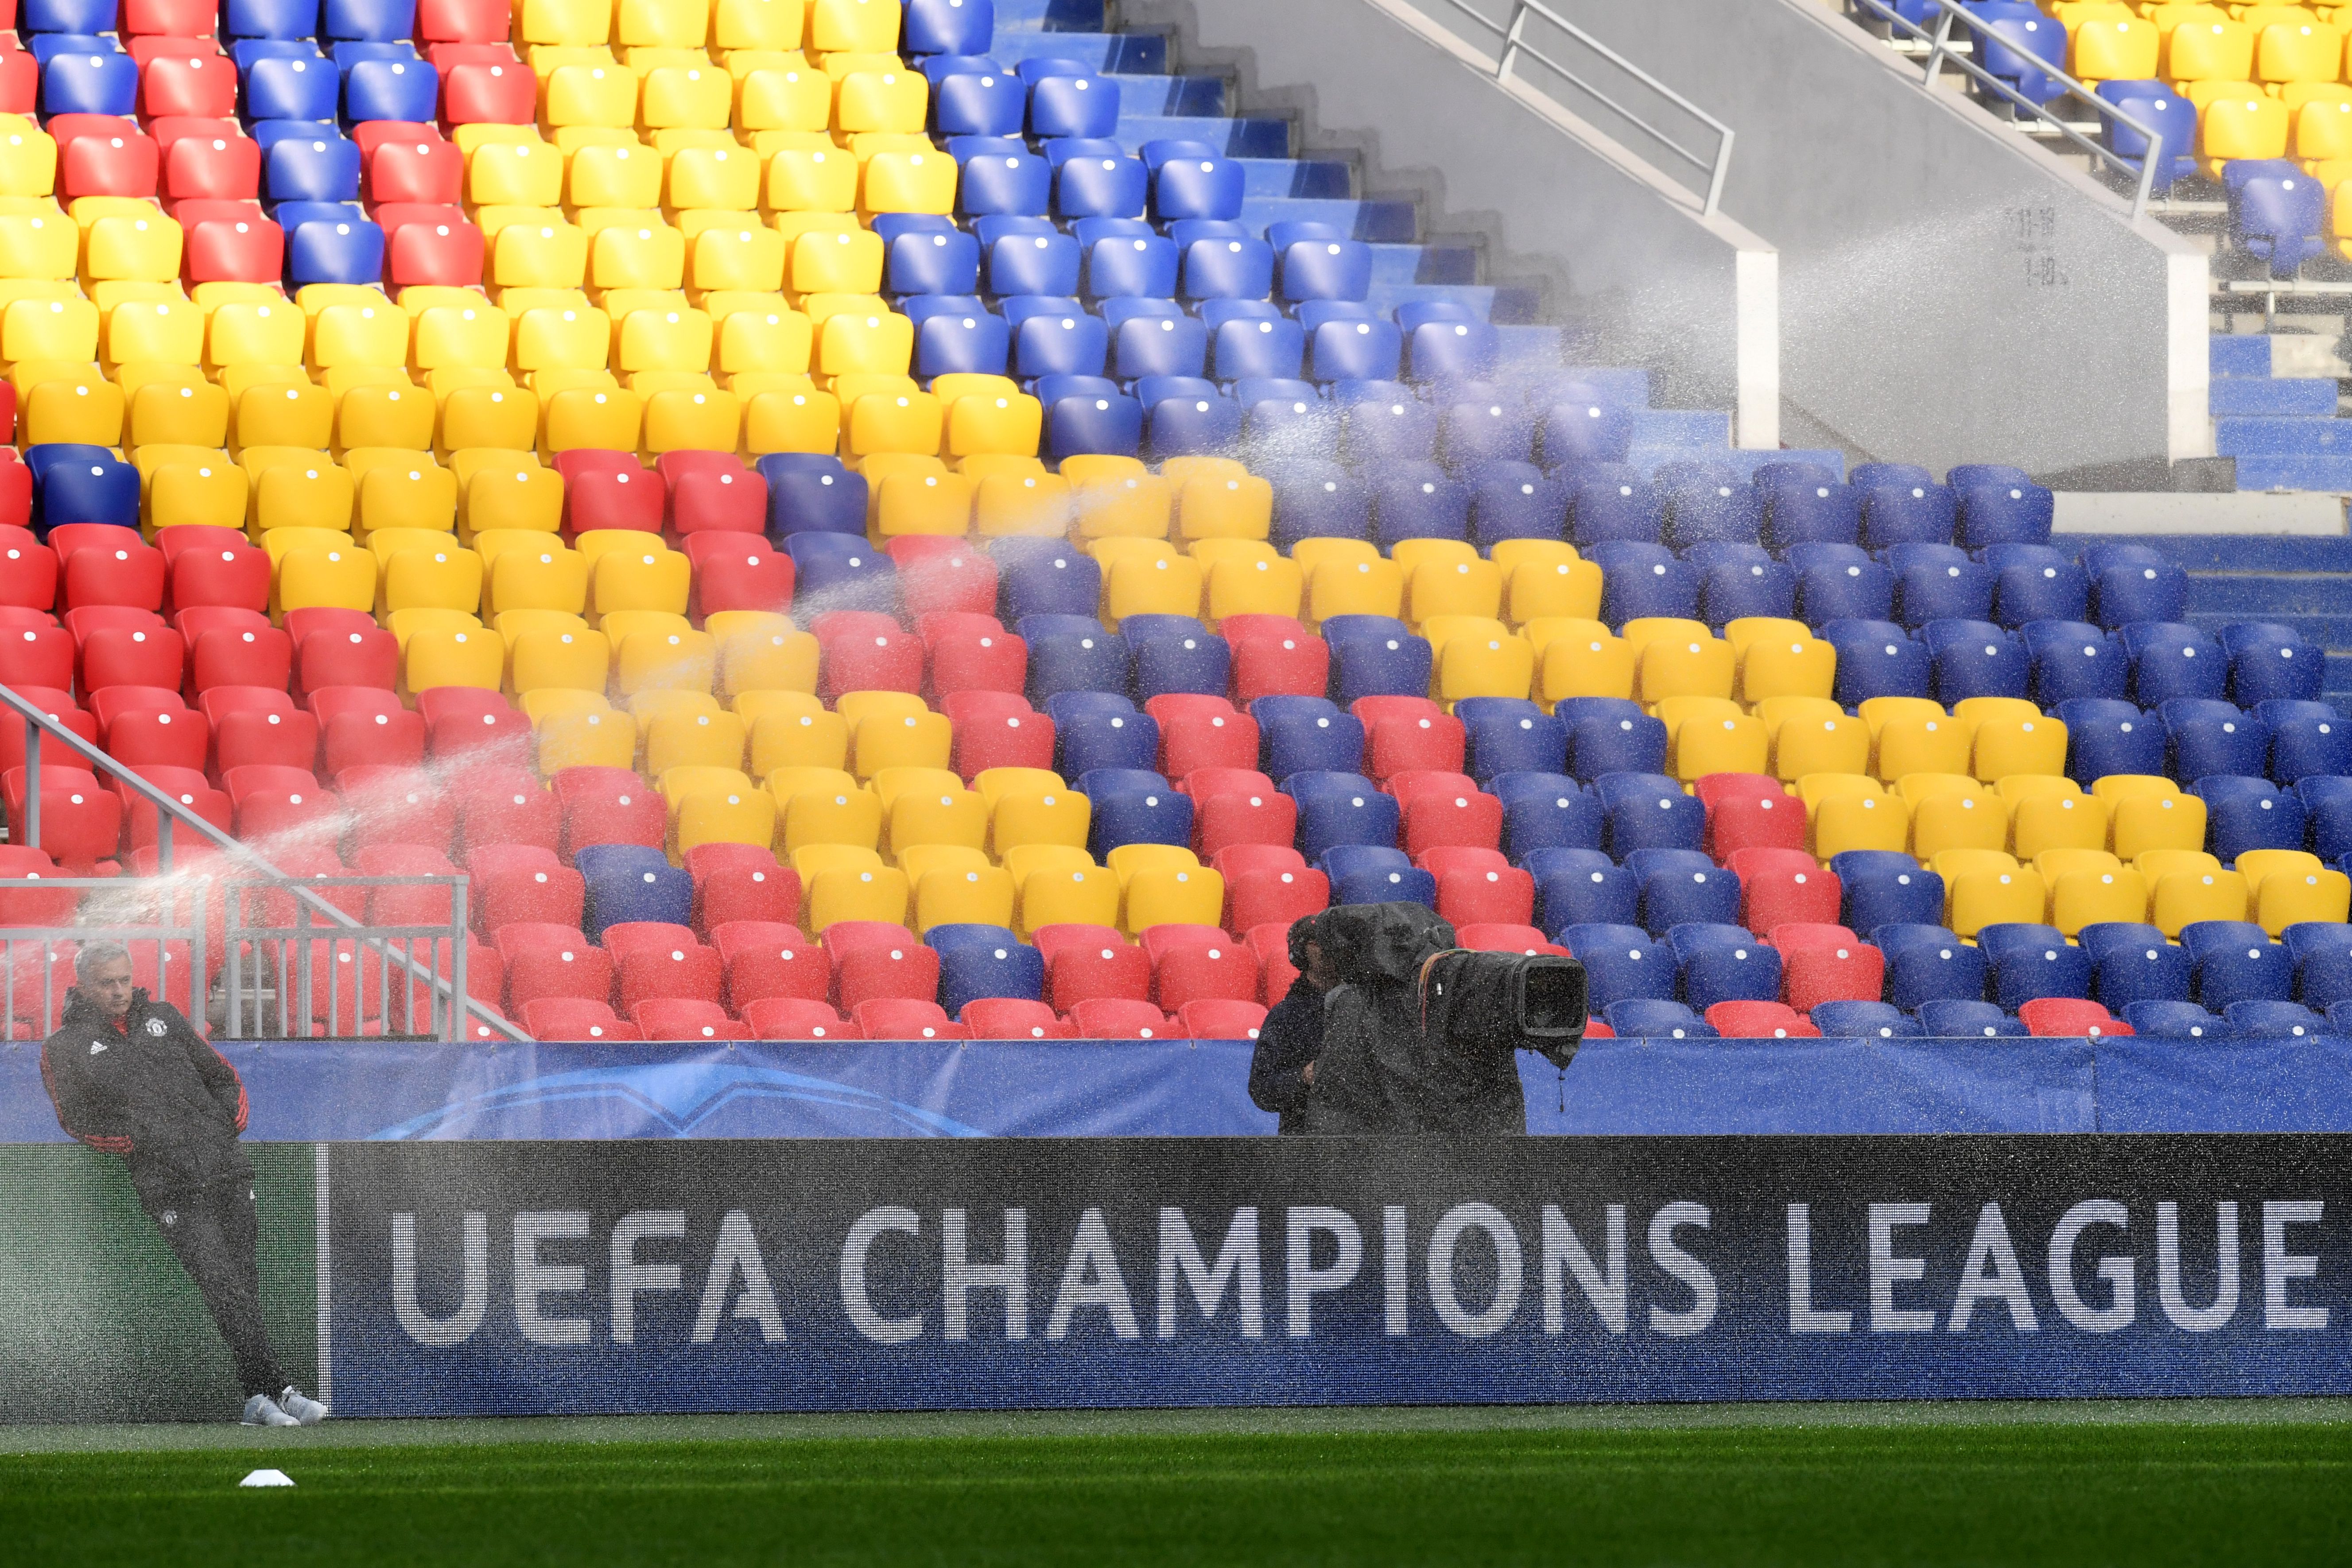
point(267, 1478)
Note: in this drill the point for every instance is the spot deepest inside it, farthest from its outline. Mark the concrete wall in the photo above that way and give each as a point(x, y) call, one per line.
point(1623, 250)
point(1948, 293)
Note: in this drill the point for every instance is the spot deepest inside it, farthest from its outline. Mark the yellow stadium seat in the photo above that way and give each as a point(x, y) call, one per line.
point(1170, 895)
point(568, 338)
point(629, 178)
point(925, 504)
point(1002, 424)
point(585, 741)
point(1986, 887)
point(714, 177)
point(1785, 664)
point(640, 256)
point(488, 416)
point(875, 342)
point(2254, 125)
point(863, 26)
point(1252, 587)
point(245, 333)
point(812, 179)
point(653, 660)
point(842, 894)
point(1595, 663)
point(283, 414)
point(1217, 498)
point(316, 494)
point(2050, 815)
point(1354, 588)
point(572, 22)
point(606, 418)
point(934, 816)
point(49, 329)
point(1472, 587)
point(694, 740)
point(1538, 587)
point(756, 24)
point(1034, 815)
point(1913, 735)
point(697, 98)
point(2010, 737)
point(374, 335)
point(908, 182)
point(445, 578)
point(969, 895)
point(515, 173)
point(911, 739)
point(1813, 735)
point(1694, 665)
point(2302, 49)
point(461, 337)
point(2186, 886)
point(37, 245)
point(2115, 48)
point(746, 257)
point(776, 340)
point(2208, 51)
point(162, 331)
point(588, 94)
point(57, 402)
point(1851, 810)
point(2145, 823)
point(664, 340)
point(2090, 887)
point(893, 101)
point(1117, 498)
point(1954, 814)
point(2290, 887)
point(1137, 585)
point(783, 97)
point(1494, 664)
point(29, 160)
point(397, 489)
point(829, 816)
point(570, 658)
point(761, 652)
point(558, 702)
point(552, 578)
point(1033, 505)
point(547, 255)
point(178, 413)
point(1070, 891)
point(837, 262)
point(183, 492)
point(440, 657)
point(782, 740)
point(2322, 134)
point(1712, 739)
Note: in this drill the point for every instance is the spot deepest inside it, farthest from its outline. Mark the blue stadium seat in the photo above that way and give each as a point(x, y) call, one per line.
point(1100, 729)
point(1480, 426)
point(1648, 1018)
point(2171, 118)
point(1190, 180)
point(2030, 961)
point(2134, 963)
point(1547, 813)
point(1324, 265)
point(1915, 514)
point(2104, 736)
point(1586, 428)
point(1621, 963)
point(1516, 501)
point(85, 17)
point(2166, 1020)
point(1096, 179)
point(1974, 658)
point(1074, 106)
point(404, 89)
point(2272, 663)
point(1353, 350)
point(1925, 962)
point(96, 83)
point(2276, 1021)
point(1176, 653)
point(1045, 577)
point(1610, 502)
point(1417, 500)
point(2072, 659)
point(1007, 178)
point(2322, 952)
point(1939, 582)
point(967, 341)
point(1886, 887)
point(1384, 885)
point(1452, 351)
point(2280, 217)
point(1642, 580)
point(1705, 505)
point(322, 168)
point(1312, 499)
point(1841, 583)
point(278, 88)
point(979, 103)
point(1089, 420)
point(1187, 417)
point(1680, 886)
point(1960, 1020)
point(1133, 806)
point(1028, 263)
point(1741, 580)
point(347, 252)
point(1376, 431)
point(630, 882)
point(2205, 737)
point(1257, 348)
point(2236, 960)
point(2130, 583)
point(75, 483)
point(813, 493)
point(1578, 886)
point(1520, 739)
point(842, 571)
point(1866, 1020)
point(1336, 808)
point(1156, 345)
point(1061, 342)
point(2239, 822)
point(2328, 806)
point(1807, 505)
point(1649, 811)
point(1373, 656)
point(269, 19)
point(1611, 735)
point(1126, 266)
point(947, 27)
point(2008, 510)
point(1348, 859)
point(1307, 735)
point(2307, 739)
point(1724, 962)
point(984, 961)
point(2036, 583)
point(1234, 265)
point(1074, 658)
point(1875, 659)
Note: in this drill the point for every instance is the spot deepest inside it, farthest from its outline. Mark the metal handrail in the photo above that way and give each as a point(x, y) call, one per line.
point(1939, 55)
point(38, 725)
point(1515, 43)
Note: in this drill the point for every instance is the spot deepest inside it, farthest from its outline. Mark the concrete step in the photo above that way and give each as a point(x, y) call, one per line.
point(2233, 355)
point(1296, 177)
point(1739, 460)
point(1391, 220)
point(2287, 436)
point(1033, 16)
point(1627, 386)
point(1436, 262)
point(1171, 94)
point(2287, 471)
point(1531, 348)
point(2233, 554)
point(1245, 138)
point(1386, 297)
point(1682, 427)
point(2269, 394)
point(1118, 54)
point(2264, 598)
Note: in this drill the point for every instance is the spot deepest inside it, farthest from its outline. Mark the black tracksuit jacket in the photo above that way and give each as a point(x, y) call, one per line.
point(154, 1092)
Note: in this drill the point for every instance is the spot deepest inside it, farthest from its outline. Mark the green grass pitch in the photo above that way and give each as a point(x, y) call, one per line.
point(2126, 1485)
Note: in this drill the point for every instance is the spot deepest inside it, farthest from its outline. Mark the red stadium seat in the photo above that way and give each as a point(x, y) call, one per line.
point(30, 905)
point(188, 786)
point(193, 622)
point(177, 18)
point(1406, 742)
point(501, 804)
point(1012, 1018)
point(996, 730)
point(663, 937)
point(682, 1019)
point(247, 730)
point(608, 806)
point(1476, 894)
point(1270, 944)
point(1275, 656)
point(768, 958)
point(115, 656)
point(300, 624)
point(20, 80)
point(91, 618)
point(462, 21)
point(393, 804)
point(409, 906)
point(487, 95)
point(737, 572)
point(1503, 937)
point(797, 1018)
point(972, 653)
point(1234, 807)
point(1114, 1018)
point(2067, 1017)
point(39, 656)
point(360, 724)
point(740, 882)
point(180, 739)
point(609, 490)
point(943, 575)
point(1198, 731)
point(1190, 963)
point(1212, 1019)
point(1749, 811)
point(1821, 963)
point(1784, 887)
point(862, 973)
point(126, 573)
point(901, 1018)
point(466, 724)
point(1443, 816)
point(110, 704)
point(122, 164)
point(549, 961)
point(274, 804)
point(1274, 896)
point(366, 656)
point(28, 571)
point(448, 254)
point(233, 574)
point(37, 986)
point(414, 168)
point(223, 249)
point(188, 84)
point(865, 651)
point(1760, 1021)
point(712, 492)
point(224, 657)
point(687, 970)
point(574, 1018)
point(1083, 962)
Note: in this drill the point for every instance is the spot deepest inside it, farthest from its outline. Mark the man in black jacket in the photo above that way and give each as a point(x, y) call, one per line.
point(1282, 1069)
point(131, 1077)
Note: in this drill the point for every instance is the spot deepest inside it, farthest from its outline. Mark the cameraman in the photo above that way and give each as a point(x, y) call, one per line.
point(131, 1077)
point(1282, 1070)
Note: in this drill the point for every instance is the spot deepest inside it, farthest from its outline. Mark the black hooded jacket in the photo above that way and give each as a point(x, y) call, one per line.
point(154, 1092)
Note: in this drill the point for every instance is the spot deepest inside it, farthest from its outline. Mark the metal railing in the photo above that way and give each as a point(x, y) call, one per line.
point(1516, 48)
point(1940, 54)
point(35, 996)
point(286, 946)
point(450, 1003)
